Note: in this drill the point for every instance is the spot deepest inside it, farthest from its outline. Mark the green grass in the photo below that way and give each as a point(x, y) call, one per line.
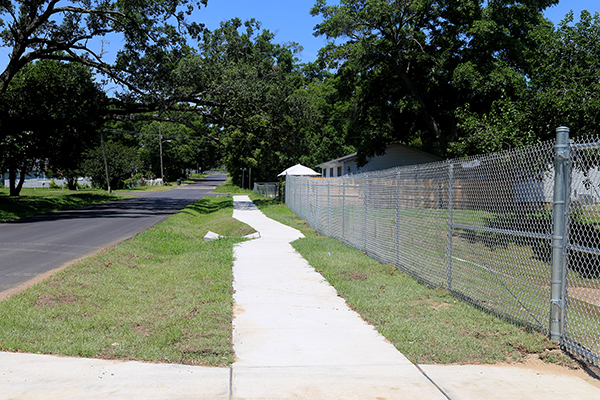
point(229, 187)
point(147, 189)
point(41, 201)
point(162, 296)
point(428, 325)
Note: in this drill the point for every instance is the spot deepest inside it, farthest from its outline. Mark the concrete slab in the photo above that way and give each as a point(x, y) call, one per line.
point(474, 382)
point(210, 236)
point(365, 382)
point(43, 377)
point(294, 337)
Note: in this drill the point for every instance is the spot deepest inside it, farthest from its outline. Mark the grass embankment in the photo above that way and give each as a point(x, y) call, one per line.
point(162, 296)
point(229, 187)
point(42, 201)
point(146, 189)
point(428, 325)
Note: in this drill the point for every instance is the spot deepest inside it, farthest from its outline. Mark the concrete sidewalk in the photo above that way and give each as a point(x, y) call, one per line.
point(294, 338)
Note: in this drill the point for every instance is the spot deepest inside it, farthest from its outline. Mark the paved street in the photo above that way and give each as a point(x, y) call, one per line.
point(32, 247)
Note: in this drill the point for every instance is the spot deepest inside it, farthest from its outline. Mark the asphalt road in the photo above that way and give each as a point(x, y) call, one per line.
point(33, 247)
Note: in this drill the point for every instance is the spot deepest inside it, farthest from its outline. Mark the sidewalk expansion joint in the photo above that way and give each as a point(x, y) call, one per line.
point(432, 381)
point(230, 382)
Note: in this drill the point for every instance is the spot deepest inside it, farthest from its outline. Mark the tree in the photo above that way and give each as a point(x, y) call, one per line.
point(238, 84)
point(49, 117)
point(404, 67)
point(181, 149)
point(123, 162)
point(564, 86)
point(63, 30)
point(562, 89)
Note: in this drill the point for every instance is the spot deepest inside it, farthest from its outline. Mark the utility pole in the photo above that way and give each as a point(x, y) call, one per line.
point(105, 162)
point(162, 172)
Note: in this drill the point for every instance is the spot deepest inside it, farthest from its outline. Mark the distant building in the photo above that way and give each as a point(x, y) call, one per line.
point(37, 179)
point(396, 155)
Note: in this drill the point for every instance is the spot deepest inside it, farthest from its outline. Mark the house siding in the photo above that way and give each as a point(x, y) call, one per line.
point(396, 156)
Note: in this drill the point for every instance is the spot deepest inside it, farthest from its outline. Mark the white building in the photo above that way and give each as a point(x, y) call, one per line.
point(396, 155)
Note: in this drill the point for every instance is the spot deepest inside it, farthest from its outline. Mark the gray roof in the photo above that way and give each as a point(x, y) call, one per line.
point(339, 160)
point(352, 156)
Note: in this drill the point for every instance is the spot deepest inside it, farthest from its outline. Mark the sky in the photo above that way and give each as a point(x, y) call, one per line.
point(291, 21)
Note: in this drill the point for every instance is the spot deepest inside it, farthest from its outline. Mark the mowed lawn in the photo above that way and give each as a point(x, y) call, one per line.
point(162, 296)
point(41, 201)
point(166, 296)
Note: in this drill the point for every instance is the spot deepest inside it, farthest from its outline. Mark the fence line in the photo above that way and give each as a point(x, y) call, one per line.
point(491, 229)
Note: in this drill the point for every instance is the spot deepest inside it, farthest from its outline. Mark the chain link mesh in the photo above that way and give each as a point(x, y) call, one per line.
point(582, 326)
point(502, 231)
point(479, 226)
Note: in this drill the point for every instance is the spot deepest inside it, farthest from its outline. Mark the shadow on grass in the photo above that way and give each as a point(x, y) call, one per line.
point(210, 205)
point(266, 202)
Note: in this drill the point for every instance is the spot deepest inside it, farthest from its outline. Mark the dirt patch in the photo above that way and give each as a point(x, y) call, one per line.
point(238, 310)
point(56, 283)
point(434, 304)
point(141, 330)
point(192, 314)
point(535, 362)
point(47, 301)
point(355, 275)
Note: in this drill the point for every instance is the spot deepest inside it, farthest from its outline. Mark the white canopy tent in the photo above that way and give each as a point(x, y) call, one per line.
point(299, 169)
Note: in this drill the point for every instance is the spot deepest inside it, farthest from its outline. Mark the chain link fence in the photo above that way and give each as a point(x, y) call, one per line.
point(481, 227)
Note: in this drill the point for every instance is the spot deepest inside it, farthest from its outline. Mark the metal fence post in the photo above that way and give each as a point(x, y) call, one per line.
point(450, 224)
point(397, 218)
point(316, 213)
point(366, 213)
point(344, 208)
point(329, 208)
point(559, 232)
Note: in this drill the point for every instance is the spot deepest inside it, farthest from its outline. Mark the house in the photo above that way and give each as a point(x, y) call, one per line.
point(37, 179)
point(396, 155)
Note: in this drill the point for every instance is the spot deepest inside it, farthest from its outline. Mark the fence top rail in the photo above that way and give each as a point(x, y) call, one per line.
point(586, 146)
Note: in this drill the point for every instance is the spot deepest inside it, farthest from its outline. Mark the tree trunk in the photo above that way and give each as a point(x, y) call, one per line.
point(12, 177)
point(431, 123)
point(71, 183)
point(15, 190)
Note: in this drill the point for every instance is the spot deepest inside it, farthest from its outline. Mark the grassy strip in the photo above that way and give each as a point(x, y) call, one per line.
point(42, 201)
point(146, 189)
point(229, 187)
point(427, 325)
point(162, 296)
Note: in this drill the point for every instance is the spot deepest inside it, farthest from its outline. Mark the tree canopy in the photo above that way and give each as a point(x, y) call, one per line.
point(65, 29)
point(239, 84)
point(451, 77)
point(48, 117)
point(560, 89)
point(405, 67)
